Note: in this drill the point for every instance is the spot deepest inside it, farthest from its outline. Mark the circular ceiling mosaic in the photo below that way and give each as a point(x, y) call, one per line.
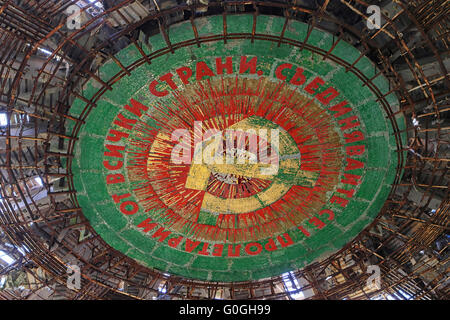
point(233, 160)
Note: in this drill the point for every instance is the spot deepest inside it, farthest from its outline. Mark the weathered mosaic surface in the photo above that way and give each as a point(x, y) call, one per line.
point(234, 161)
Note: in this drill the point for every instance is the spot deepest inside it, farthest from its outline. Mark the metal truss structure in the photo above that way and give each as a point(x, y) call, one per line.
point(43, 64)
